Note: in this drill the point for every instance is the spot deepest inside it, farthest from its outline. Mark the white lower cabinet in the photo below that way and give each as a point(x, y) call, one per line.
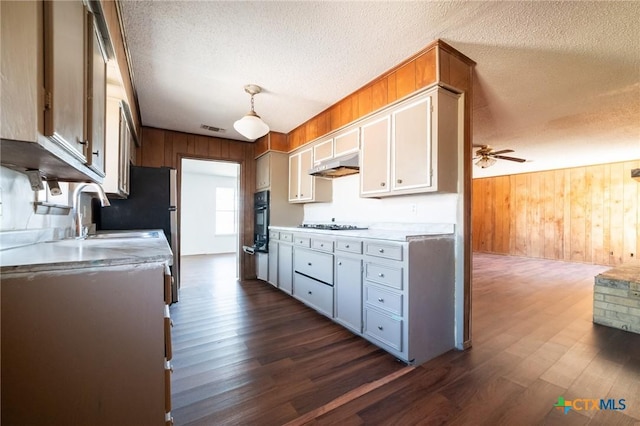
point(348, 292)
point(399, 295)
point(273, 263)
point(314, 293)
point(262, 266)
point(285, 267)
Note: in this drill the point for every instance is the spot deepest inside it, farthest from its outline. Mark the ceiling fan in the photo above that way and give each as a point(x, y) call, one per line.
point(486, 156)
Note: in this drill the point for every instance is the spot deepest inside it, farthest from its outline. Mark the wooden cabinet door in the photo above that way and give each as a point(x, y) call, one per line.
point(348, 288)
point(294, 172)
point(374, 157)
point(263, 165)
point(96, 99)
point(285, 267)
point(65, 70)
point(305, 179)
point(412, 146)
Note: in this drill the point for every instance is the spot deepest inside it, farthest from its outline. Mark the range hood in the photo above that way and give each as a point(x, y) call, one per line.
point(336, 167)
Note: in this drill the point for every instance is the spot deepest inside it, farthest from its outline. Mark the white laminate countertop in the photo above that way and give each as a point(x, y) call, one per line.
point(91, 252)
point(388, 234)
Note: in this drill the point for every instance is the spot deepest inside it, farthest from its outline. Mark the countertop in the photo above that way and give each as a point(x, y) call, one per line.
point(397, 233)
point(91, 252)
point(629, 273)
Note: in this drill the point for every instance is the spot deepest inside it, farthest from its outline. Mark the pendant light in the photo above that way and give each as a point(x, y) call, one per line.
point(251, 125)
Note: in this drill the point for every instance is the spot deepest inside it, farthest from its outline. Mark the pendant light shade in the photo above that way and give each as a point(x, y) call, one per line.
point(251, 125)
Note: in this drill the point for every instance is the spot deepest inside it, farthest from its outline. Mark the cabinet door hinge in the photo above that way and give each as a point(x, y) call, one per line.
point(47, 100)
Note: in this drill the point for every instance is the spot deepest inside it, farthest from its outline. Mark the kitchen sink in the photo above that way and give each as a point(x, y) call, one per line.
point(124, 234)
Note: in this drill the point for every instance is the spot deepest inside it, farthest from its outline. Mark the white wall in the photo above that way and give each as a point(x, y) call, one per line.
point(17, 212)
point(348, 207)
point(197, 218)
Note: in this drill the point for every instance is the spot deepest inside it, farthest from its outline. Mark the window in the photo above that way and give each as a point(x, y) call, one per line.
point(226, 211)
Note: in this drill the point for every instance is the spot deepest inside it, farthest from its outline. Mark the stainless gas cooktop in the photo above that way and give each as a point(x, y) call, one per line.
point(331, 226)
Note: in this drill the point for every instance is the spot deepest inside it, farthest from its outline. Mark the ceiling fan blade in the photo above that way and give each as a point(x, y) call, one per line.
point(502, 151)
point(480, 146)
point(504, 157)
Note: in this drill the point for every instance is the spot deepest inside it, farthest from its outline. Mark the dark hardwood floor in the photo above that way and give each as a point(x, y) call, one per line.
point(248, 354)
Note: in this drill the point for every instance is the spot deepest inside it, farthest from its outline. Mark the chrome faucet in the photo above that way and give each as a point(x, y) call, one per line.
point(104, 202)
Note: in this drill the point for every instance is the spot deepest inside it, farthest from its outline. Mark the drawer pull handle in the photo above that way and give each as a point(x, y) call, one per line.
point(380, 328)
point(381, 275)
point(380, 299)
point(381, 250)
point(309, 263)
point(171, 323)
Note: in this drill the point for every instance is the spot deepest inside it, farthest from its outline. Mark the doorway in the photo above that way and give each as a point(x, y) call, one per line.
point(209, 219)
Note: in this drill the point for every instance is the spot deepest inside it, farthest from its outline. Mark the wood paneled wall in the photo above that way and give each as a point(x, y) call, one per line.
point(168, 148)
point(585, 214)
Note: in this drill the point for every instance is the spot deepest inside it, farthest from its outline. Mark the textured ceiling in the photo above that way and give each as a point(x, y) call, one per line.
point(558, 82)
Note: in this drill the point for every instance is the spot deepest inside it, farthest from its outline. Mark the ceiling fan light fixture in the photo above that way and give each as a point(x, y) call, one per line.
point(251, 125)
point(485, 162)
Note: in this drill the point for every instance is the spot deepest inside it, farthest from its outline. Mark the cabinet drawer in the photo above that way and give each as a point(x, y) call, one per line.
point(383, 274)
point(324, 245)
point(302, 241)
point(285, 236)
point(168, 369)
point(315, 294)
point(274, 235)
point(350, 246)
point(314, 264)
point(383, 299)
point(388, 251)
point(384, 328)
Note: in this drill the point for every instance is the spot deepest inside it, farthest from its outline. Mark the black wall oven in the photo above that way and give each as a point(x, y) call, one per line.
point(261, 221)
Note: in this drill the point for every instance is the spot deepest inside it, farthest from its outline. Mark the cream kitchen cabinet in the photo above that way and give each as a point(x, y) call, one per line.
point(344, 142)
point(272, 175)
point(120, 138)
point(85, 346)
point(348, 289)
point(285, 263)
point(46, 123)
point(97, 99)
point(409, 149)
point(272, 276)
point(313, 276)
point(304, 188)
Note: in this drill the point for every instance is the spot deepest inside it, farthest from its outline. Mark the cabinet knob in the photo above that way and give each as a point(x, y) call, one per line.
point(381, 250)
point(380, 299)
point(346, 246)
point(380, 328)
point(382, 184)
point(96, 153)
point(309, 263)
point(310, 292)
point(339, 263)
point(302, 195)
point(321, 245)
point(381, 275)
point(83, 142)
point(399, 181)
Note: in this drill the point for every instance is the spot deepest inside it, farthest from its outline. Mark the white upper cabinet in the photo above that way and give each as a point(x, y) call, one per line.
point(53, 90)
point(65, 91)
point(411, 148)
point(374, 156)
point(97, 99)
point(119, 142)
point(304, 188)
point(346, 142)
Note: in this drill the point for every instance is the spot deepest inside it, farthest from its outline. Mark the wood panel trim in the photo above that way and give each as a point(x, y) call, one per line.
point(588, 214)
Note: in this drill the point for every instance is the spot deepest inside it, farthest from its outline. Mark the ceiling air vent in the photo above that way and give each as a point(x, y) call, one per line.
point(212, 128)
